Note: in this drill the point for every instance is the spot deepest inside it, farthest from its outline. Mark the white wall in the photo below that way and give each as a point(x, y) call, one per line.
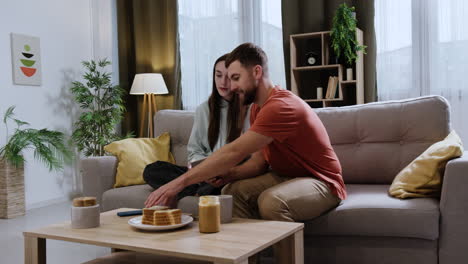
point(70, 31)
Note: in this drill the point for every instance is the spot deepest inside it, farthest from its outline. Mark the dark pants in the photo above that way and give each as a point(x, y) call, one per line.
point(160, 172)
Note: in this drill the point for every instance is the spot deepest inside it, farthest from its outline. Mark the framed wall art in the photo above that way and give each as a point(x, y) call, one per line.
point(26, 59)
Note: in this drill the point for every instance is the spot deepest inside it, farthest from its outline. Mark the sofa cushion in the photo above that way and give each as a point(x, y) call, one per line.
point(370, 211)
point(179, 125)
point(135, 153)
point(423, 176)
point(375, 141)
point(126, 197)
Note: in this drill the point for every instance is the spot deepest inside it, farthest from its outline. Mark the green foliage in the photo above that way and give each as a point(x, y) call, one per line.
point(343, 34)
point(49, 146)
point(103, 109)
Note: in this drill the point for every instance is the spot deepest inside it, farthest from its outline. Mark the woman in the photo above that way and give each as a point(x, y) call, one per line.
point(217, 122)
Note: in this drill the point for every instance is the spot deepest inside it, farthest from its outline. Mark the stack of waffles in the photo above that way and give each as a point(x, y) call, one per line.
point(148, 214)
point(84, 201)
point(167, 217)
point(161, 215)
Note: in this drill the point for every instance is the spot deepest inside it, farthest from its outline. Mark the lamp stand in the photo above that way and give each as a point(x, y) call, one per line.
point(149, 108)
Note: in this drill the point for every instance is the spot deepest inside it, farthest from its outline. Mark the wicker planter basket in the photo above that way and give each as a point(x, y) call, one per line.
point(11, 190)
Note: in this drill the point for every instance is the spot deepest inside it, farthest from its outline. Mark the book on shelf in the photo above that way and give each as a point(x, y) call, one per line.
point(327, 94)
point(332, 87)
point(335, 88)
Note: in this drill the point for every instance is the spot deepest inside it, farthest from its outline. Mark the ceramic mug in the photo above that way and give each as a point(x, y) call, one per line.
point(226, 208)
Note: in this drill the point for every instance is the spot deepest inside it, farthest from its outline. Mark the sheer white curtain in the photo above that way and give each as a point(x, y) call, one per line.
point(211, 28)
point(422, 49)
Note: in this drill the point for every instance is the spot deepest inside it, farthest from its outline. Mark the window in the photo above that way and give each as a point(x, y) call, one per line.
point(422, 50)
point(211, 28)
point(394, 49)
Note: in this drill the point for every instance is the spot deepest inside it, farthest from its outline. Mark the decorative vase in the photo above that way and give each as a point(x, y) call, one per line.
point(319, 93)
point(11, 190)
point(349, 74)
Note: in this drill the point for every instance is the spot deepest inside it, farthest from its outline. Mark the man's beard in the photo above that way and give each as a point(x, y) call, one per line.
point(249, 96)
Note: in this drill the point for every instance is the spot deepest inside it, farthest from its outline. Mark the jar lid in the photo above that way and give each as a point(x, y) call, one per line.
point(208, 200)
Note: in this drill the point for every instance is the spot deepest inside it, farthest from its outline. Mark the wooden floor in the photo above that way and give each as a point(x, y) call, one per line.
point(12, 243)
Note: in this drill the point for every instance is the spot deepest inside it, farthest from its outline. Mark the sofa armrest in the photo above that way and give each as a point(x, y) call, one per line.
point(453, 236)
point(98, 175)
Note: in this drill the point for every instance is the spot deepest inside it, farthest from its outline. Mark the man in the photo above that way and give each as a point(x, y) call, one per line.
point(293, 173)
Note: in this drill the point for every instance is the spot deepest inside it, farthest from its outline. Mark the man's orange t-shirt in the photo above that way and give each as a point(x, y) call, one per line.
point(301, 146)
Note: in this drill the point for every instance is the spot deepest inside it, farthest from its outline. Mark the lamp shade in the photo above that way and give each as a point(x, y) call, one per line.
point(148, 83)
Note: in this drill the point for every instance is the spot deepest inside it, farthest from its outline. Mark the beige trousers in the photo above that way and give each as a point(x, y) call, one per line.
point(274, 197)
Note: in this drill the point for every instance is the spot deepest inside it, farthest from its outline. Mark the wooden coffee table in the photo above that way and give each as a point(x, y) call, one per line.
point(235, 243)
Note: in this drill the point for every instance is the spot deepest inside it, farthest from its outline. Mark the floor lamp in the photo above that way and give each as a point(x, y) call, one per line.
point(148, 84)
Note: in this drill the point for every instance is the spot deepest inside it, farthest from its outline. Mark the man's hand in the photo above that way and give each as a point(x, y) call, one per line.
point(165, 195)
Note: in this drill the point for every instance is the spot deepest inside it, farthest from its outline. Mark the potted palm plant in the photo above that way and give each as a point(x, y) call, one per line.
point(49, 147)
point(102, 109)
point(343, 36)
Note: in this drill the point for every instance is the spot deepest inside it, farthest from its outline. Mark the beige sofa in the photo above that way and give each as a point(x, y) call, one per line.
point(373, 142)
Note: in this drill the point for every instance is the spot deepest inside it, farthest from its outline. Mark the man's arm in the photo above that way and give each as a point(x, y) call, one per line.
point(227, 157)
point(255, 166)
point(220, 162)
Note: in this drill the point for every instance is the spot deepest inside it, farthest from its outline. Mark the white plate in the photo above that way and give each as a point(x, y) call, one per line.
point(136, 222)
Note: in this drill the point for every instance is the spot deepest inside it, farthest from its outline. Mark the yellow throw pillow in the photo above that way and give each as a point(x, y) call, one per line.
point(135, 153)
point(423, 176)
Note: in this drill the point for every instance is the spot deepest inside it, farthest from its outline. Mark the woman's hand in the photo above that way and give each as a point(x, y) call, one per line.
point(216, 181)
point(165, 195)
point(223, 179)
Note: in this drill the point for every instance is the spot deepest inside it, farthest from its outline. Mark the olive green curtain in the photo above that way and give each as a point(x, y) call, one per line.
point(148, 43)
point(303, 16)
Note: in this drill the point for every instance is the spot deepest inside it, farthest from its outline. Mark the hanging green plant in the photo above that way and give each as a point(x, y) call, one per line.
point(343, 35)
point(103, 108)
point(49, 146)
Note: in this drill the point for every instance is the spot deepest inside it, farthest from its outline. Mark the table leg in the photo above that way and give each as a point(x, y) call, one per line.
point(291, 249)
point(34, 250)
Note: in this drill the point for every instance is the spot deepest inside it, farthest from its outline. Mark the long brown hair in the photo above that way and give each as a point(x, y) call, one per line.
point(235, 118)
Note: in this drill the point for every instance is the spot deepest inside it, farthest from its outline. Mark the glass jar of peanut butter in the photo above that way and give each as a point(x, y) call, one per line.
point(209, 214)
